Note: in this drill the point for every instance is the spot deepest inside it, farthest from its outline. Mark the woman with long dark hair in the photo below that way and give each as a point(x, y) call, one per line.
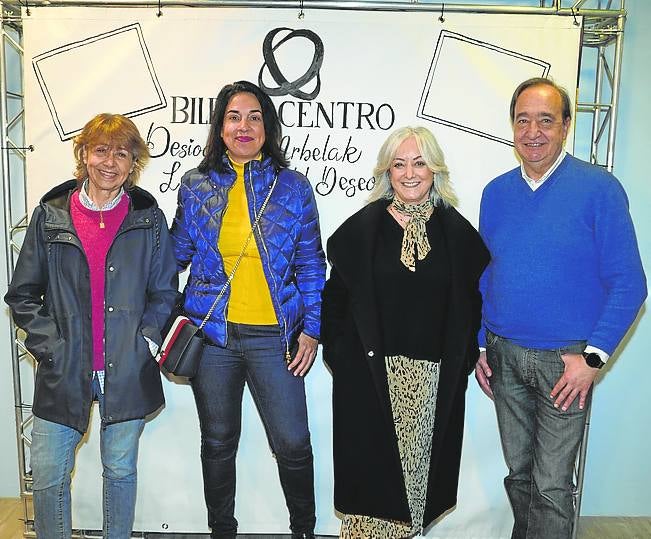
point(248, 228)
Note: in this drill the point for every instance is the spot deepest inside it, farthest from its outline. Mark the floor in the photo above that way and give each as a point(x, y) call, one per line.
point(11, 526)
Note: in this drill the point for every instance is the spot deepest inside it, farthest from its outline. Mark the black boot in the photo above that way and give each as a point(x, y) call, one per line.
point(304, 535)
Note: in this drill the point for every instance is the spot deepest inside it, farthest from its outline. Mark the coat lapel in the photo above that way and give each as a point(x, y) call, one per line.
point(354, 261)
point(355, 264)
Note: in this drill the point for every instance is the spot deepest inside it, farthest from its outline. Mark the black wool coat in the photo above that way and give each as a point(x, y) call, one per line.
point(368, 473)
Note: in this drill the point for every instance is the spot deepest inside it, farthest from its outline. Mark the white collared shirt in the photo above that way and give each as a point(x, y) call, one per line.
point(89, 204)
point(535, 184)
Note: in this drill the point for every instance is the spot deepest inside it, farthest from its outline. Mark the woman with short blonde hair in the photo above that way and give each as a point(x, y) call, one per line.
point(400, 316)
point(442, 190)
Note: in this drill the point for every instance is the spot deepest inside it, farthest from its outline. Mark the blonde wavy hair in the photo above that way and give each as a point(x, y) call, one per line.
point(441, 191)
point(114, 130)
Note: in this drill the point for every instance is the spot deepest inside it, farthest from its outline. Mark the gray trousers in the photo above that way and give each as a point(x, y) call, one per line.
point(540, 442)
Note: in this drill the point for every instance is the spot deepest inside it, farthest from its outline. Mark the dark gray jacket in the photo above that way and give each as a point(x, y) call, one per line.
point(50, 299)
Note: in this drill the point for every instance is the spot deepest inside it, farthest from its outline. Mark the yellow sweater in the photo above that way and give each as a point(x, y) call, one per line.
point(250, 301)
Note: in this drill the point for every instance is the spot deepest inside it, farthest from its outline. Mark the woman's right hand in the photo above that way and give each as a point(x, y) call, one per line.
point(305, 355)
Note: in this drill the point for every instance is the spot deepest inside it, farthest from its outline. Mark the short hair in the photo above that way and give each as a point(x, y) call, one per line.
point(215, 147)
point(540, 81)
point(441, 191)
point(114, 130)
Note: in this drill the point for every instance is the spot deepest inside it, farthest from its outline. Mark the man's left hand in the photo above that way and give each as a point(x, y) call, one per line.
point(576, 380)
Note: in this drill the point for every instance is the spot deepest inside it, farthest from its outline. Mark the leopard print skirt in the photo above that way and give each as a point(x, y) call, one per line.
point(412, 388)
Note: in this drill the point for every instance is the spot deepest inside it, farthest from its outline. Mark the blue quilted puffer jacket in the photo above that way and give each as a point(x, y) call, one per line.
point(288, 239)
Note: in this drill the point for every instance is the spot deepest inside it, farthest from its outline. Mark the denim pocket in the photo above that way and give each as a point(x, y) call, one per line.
point(576, 348)
point(491, 338)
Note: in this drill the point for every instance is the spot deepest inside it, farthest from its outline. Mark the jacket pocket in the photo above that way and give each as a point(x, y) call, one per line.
point(53, 355)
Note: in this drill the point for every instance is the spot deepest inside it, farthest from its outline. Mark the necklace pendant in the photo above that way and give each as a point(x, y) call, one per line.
point(102, 225)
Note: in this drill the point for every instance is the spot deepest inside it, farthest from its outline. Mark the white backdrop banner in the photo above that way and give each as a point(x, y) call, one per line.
point(341, 81)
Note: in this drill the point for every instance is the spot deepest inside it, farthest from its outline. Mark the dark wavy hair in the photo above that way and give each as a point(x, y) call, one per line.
point(539, 81)
point(215, 147)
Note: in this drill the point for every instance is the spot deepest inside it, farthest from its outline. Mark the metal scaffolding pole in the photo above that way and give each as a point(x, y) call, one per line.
point(604, 34)
point(12, 166)
point(350, 5)
point(617, 74)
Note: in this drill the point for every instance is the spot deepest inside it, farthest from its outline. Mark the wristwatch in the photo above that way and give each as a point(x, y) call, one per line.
point(593, 360)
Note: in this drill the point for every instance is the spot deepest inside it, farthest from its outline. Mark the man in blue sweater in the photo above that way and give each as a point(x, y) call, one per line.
point(564, 284)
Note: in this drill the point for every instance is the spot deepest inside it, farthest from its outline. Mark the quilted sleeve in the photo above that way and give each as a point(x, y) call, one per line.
point(181, 225)
point(310, 262)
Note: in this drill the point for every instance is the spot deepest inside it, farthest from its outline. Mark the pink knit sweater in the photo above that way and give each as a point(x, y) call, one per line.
point(96, 242)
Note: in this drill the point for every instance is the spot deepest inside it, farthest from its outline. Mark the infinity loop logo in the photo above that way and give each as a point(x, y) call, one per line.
point(285, 87)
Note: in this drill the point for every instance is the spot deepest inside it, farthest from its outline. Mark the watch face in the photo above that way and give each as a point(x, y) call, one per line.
point(593, 360)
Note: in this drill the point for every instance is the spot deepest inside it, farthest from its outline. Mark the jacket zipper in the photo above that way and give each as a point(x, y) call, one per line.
point(271, 275)
point(119, 233)
point(224, 268)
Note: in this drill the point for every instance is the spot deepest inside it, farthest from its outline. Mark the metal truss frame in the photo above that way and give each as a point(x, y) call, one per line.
point(12, 168)
point(602, 42)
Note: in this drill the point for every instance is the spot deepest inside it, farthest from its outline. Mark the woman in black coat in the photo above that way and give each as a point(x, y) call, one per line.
point(400, 315)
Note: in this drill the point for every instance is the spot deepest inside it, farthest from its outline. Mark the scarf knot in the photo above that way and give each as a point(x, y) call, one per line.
point(414, 239)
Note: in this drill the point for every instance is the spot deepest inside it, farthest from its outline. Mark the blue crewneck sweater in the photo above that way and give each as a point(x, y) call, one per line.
point(565, 264)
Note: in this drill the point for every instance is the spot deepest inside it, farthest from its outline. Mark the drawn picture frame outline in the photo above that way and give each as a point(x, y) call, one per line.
point(67, 133)
point(448, 34)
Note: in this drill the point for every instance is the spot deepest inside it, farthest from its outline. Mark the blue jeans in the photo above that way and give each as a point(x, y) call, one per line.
point(254, 354)
point(52, 460)
point(540, 442)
